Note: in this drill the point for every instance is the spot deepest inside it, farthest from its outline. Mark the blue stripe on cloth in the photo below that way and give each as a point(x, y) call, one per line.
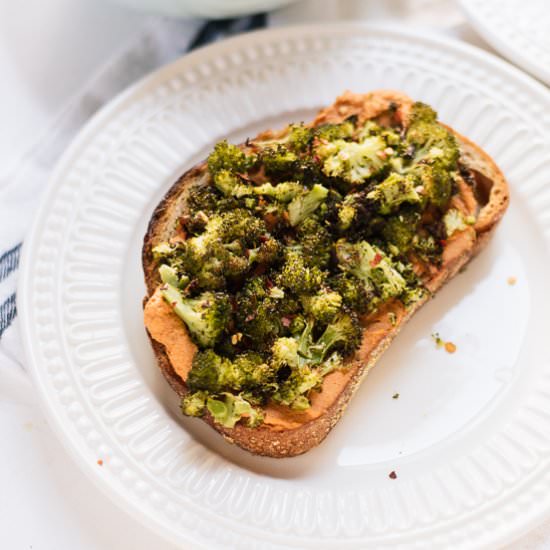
point(9, 261)
point(8, 311)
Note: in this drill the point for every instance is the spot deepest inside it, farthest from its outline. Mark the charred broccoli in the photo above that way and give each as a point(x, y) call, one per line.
point(303, 205)
point(323, 306)
point(395, 190)
point(297, 276)
point(214, 373)
point(351, 161)
point(229, 157)
point(206, 316)
point(370, 265)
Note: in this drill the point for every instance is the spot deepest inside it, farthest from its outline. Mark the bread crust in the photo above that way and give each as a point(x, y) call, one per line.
point(295, 441)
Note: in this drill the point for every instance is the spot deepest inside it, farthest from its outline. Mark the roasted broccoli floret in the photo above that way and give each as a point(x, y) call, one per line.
point(259, 314)
point(220, 251)
point(278, 161)
point(434, 154)
point(309, 361)
point(297, 276)
point(206, 316)
point(454, 221)
point(194, 403)
point(214, 373)
point(228, 157)
point(342, 333)
point(427, 248)
point(351, 161)
point(395, 190)
point(268, 252)
point(369, 264)
point(314, 243)
point(332, 132)
point(323, 306)
point(400, 230)
point(232, 185)
point(227, 409)
point(302, 206)
point(355, 295)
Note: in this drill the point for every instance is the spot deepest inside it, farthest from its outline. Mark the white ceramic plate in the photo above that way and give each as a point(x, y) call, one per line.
point(469, 435)
point(518, 29)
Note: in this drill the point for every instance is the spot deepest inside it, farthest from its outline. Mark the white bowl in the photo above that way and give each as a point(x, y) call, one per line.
point(204, 8)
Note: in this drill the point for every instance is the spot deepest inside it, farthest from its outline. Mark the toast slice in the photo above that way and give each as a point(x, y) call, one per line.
point(483, 191)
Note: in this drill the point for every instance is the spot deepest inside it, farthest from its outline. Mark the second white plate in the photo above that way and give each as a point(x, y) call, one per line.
point(468, 435)
point(518, 29)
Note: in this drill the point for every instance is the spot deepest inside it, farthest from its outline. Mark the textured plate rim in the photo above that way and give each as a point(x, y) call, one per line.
point(494, 39)
point(74, 447)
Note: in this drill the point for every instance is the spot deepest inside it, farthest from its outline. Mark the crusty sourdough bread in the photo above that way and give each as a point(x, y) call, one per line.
point(285, 432)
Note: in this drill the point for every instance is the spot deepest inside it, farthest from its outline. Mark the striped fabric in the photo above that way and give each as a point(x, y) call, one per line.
point(161, 41)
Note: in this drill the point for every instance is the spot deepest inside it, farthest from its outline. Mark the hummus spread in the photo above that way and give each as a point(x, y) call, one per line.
point(166, 328)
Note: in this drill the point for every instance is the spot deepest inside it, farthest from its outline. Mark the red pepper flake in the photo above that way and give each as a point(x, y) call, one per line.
point(443, 242)
point(100, 462)
point(393, 475)
point(286, 322)
point(269, 283)
point(450, 347)
point(376, 260)
point(250, 317)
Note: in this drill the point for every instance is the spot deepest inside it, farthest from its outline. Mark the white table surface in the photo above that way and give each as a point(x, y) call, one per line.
point(46, 502)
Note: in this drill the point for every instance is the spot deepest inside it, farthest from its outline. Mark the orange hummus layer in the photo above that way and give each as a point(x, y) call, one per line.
point(166, 328)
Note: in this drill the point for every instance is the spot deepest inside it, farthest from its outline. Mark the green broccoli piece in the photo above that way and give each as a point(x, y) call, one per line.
point(220, 252)
point(170, 275)
point(204, 200)
point(214, 373)
point(333, 132)
point(228, 157)
point(228, 409)
point(395, 190)
point(194, 403)
point(284, 352)
point(278, 160)
point(434, 154)
point(370, 265)
point(427, 249)
point(300, 137)
point(454, 221)
point(355, 295)
point(206, 316)
point(347, 212)
point(292, 392)
point(351, 161)
point(314, 243)
point(343, 333)
point(259, 314)
point(400, 230)
point(282, 192)
point(303, 205)
point(267, 253)
point(297, 276)
point(323, 306)
point(231, 185)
